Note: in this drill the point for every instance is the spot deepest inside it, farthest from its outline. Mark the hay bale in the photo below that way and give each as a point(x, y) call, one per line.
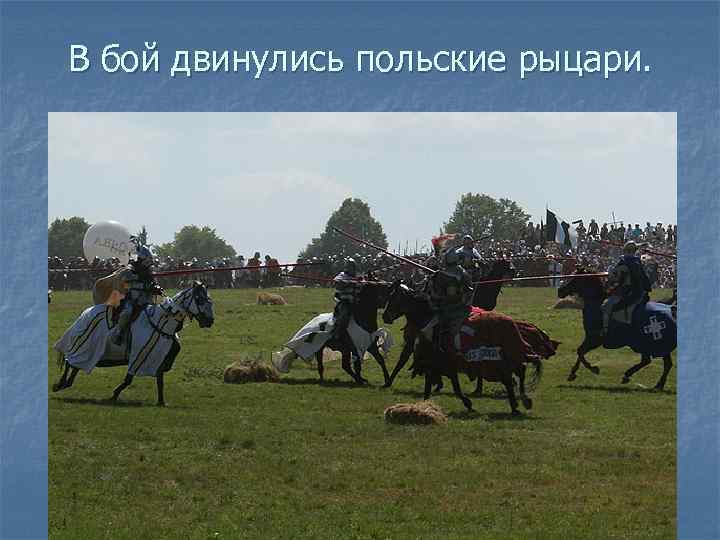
point(422, 413)
point(244, 371)
point(568, 303)
point(270, 299)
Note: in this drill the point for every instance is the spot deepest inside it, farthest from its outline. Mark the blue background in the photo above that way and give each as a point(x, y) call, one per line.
point(679, 41)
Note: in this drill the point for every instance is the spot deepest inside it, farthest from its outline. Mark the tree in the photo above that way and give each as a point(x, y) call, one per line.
point(481, 215)
point(192, 241)
point(65, 237)
point(354, 217)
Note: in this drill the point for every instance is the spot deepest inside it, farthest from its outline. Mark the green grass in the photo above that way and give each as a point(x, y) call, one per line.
point(593, 459)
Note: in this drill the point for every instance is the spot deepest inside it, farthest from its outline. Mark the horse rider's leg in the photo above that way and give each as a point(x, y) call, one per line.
point(667, 366)
point(122, 386)
point(320, 366)
point(644, 361)
point(408, 349)
point(61, 384)
point(159, 380)
point(380, 360)
point(526, 401)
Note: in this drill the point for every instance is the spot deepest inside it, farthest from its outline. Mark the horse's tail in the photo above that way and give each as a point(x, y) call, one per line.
point(532, 382)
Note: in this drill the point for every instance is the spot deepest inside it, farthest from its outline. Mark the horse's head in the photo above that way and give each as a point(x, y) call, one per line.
point(504, 269)
point(374, 293)
point(582, 287)
point(196, 302)
point(398, 298)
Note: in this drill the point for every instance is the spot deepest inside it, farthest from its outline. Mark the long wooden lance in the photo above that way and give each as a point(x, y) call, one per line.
point(227, 269)
point(385, 251)
point(537, 278)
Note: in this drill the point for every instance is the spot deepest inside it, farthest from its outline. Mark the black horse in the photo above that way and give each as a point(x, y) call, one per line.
point(403, 301)
point(371, 297)
point(592, 291)
point(484, 297)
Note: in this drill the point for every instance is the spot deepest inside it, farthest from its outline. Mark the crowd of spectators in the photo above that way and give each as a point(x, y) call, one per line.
point(598, 247)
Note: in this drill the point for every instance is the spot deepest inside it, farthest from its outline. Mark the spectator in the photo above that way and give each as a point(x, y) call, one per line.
point(254, 276)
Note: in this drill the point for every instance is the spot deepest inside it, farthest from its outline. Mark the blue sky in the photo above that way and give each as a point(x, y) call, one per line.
point(269, 181)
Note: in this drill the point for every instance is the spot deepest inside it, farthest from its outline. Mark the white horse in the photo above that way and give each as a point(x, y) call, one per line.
point(153, 343)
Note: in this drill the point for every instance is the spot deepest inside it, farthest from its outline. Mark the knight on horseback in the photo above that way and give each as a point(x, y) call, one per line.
point(141, 287)
point(450, 291)
point(347, 290)
point(628, 286)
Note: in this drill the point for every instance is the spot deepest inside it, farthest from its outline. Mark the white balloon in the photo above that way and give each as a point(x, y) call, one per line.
point(107, 240)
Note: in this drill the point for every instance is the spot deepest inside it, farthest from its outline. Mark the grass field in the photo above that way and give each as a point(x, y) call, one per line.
point(593, 459)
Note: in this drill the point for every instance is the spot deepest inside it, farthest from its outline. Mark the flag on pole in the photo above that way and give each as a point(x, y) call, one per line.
point(560, 231)
point(442, 241)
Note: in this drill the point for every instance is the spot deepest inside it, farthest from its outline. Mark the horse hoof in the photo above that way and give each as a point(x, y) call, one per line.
point(527, 403)
point(57, 387)
point(595, 370)
point(572, 377)
point(625, 380)
point(516, 413)
point(161, 404)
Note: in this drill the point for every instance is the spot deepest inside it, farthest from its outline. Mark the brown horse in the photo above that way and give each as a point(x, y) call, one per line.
point(489, 329)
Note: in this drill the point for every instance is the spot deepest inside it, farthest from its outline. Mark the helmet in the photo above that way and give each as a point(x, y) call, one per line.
point(452, 258)
point(630, 248)
point(350, 266)
point(144, 257)
point(468, 237)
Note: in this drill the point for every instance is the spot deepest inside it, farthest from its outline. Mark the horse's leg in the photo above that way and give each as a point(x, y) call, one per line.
point(428, 383)
point(346, 366)
point(591, 343)
point(122, 386)
point(478, 385)
point(585, 347)
point(408, 349)
point(159, 380)
point(526, 401)
point(380, 360)
point(458, 391)
point(509, 385)
point(644, 361)
point(62, 382)
point(73, 373)
point(667, 366)
point(357, 367)
point(320, 366)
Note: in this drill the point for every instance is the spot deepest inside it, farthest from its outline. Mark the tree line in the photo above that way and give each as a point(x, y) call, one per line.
point(476, 214)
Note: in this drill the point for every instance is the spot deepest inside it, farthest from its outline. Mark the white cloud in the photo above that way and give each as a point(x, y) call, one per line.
point(270, 180)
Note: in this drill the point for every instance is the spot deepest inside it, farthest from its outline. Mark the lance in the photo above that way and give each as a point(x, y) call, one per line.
point(385, 251)
point(227, 269)
point(510, 280)
point(330, 280)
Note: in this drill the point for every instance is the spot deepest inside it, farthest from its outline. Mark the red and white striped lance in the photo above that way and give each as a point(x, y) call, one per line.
point(537, 278)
